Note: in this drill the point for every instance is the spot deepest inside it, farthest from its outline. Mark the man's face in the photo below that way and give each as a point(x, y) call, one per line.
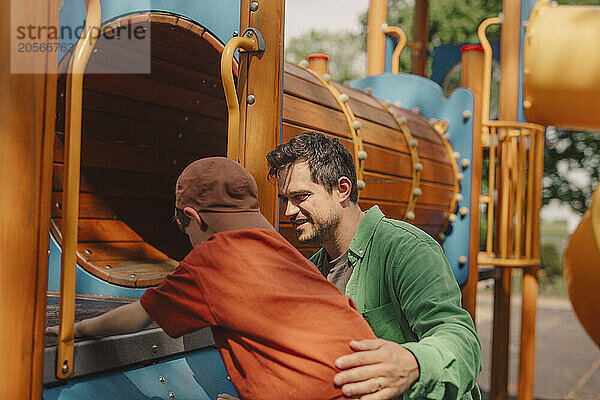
point(312, 210)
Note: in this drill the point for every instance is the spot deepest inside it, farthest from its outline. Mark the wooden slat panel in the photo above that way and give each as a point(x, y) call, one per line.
point(437, 172)
point(103, 230)
point(296, 71)
point(311, 115)
point(132, 184)
point(90, 206)
point(388, 188)
point(99, 251)
point(316, 93)
point(58, 175)
point(435, 194)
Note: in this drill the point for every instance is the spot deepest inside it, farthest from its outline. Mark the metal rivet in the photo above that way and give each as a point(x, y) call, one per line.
point(398, 103)
point(456, 155)
point(133, 276)
point(356, 124)
point(465, 162)
point(360, 184)
point(59, 206)
point(418, 166)
point(467, 114)
point(458, 197)
point(186, 118)
point(174, 162)
point(463, 211)
point(250, 99)
point(344, 98)
point(172, 395)
point(417, 191)
point(235, 33)
point(228, 378)
point(65, 367)
point(161, 379)
point(254, 6)
point(249, 34)
point(326, 77)
point(107, 266)
point(384, 26)
point(524, 24)
point(362, 155)
point(527, 104)
point(410, 215)
point(154, 348)
point(303, 64)
point(87, 251)
point(432, 121)
point(403, 120)
point(414, 143)
point(452, 217)
point(48, 252)
point(446, 136)
point(442, 236)
point(387, 103)
point(526, 71)
point(462, 260)
point(415, 110)
point(368, 90)
point(180, 135)
point(460, 176)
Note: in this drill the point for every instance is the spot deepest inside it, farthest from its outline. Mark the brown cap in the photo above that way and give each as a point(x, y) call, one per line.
point(223, 192)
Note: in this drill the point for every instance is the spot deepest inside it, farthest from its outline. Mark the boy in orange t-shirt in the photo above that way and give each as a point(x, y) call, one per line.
point(277, 322)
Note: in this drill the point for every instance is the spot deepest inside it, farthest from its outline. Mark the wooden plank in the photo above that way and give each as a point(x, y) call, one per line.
point(57, 179)
point(136, 87)
point(103, 230)
point(100, 251)
point(90, 206)
point(315, 92)
point(384, 187)
point(294, 70)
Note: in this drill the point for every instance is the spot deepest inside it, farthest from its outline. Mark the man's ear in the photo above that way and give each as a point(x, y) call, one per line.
point(344, 188)
point(193, 214)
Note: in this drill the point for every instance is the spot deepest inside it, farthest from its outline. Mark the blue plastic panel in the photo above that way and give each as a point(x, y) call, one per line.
point(415, 91)
point(220, 17)
point(86, 283)
point(200, 375)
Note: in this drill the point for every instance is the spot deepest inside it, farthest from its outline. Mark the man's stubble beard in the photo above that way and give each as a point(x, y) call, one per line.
point(323, 232)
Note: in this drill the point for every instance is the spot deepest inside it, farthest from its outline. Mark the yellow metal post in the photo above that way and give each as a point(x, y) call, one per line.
point(77, 65)
point(376, 37)
point(260, 87)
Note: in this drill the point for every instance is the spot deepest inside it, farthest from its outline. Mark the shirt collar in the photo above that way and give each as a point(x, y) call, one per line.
point(365, 231)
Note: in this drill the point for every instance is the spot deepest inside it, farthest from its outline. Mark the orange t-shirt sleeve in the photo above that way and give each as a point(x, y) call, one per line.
point(178, 304)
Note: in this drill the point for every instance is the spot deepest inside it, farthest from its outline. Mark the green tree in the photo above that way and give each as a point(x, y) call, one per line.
point(345, 50)
point(571, 167)
point(551, 261)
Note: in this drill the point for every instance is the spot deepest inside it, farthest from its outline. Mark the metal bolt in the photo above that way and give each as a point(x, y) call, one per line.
point(235, 33)
point(368, 90)
point(414, 143)
point(360, 184)
point(527, 104)
point(107, 266)
point(254, 6)
point(417, 192)
point(462, 260)
point(87, 251)
point(418, 167)
point(362, 155)
point(467, 114)
point(65, 367)
point(458, 197)
point(442, 236)
point(250, 99)
point(344, 98)
point(398, 103)
point(415, 110)
point(172, 395)
point(59, 206)
point(463, 211)
point(452, 217)
point(154, 348)
point(465, 162)
point(249, 34)
point(356, 124)
point(228, 378)
point(161, 379)
point(48, 252)
point(133, 276)
point(410, 215)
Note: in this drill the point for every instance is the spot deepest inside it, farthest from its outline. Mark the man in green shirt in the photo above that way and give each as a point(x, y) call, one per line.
point(396, 274)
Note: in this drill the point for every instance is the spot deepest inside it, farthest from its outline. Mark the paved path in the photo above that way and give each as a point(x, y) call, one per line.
point(567, 360)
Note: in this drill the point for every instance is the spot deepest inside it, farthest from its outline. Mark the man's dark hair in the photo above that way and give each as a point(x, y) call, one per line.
point(328, 160)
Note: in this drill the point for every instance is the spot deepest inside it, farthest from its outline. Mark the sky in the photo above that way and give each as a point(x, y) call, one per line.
point(303, 15)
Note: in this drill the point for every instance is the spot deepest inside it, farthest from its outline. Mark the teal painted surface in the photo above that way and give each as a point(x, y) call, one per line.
point(200, 375)
point(86, 283)
point(220, 17)
point(415, 91)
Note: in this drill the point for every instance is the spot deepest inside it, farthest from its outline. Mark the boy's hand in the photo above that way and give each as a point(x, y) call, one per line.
point(52, 330)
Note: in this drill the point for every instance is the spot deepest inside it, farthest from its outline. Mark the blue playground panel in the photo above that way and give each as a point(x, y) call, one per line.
point(220, 17)
point(200, 375)
point(415, 91)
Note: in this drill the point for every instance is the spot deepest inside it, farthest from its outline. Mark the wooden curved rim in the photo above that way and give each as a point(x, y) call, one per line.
point(139, 132)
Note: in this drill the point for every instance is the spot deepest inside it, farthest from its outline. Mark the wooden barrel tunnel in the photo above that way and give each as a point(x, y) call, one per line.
point(140, 131)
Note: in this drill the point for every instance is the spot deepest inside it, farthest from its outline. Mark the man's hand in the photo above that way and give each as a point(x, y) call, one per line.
point(378, 370)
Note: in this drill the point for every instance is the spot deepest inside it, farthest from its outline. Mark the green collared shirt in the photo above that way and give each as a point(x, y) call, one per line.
point(405, 289)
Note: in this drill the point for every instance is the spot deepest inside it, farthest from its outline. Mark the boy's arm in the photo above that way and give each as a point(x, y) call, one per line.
point(125, 319)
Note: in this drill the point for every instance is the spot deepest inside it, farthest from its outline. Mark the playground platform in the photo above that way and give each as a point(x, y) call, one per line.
point(567, 360)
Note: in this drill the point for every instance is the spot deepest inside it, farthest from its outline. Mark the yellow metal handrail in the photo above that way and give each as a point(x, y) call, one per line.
point(70, 210)
point(397, 33)
point(516, 148)
point(250, 40)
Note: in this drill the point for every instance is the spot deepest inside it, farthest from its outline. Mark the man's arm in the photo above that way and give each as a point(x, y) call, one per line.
point(125, 319)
